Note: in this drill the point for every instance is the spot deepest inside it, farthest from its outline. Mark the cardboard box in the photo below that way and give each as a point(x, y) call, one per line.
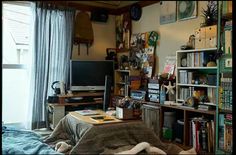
point(211, 42)
point(200, 33)
point(200, 43)
point(211, 31)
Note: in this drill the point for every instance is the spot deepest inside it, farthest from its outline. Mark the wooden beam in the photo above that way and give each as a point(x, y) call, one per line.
point(84, 7)
point(77, 6)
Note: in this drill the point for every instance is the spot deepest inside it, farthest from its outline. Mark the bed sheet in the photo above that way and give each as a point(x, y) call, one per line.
point(19, 141)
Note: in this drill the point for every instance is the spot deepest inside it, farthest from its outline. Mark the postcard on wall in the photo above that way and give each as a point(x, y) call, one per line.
point(168, 12)
point(186, 10)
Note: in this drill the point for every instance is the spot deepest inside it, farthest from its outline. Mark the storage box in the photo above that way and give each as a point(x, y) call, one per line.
point(211, 31)
point(200, 33)
point(122, 113)
point(211, 42)
point(200, 43)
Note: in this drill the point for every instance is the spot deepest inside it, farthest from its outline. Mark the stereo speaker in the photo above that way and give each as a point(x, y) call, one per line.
point(107, 93)
point(100, 15)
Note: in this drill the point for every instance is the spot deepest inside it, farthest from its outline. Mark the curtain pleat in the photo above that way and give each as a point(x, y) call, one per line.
point(52, 52)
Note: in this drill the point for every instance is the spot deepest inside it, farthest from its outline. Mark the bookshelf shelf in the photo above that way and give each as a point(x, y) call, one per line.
point(122, 81)
point(224, 129)
point(196, 50)
point(207, 68)
point(196, 85)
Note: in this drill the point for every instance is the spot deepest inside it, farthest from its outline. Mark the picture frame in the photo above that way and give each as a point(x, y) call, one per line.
point(109, 50)
point(168, 12)
point(186, 10)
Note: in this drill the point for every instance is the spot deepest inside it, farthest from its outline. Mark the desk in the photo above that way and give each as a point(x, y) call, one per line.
point(88, 119)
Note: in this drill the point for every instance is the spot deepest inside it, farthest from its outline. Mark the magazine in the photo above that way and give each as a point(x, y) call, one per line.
point(87, 112)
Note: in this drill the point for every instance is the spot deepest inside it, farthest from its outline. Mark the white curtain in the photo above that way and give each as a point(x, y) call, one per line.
point(51, 47)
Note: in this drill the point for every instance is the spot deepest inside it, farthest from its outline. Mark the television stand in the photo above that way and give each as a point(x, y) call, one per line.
point(88, 99)
point(84, 95)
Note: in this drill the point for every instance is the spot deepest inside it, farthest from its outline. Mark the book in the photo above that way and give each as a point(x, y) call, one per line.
point(87, 112)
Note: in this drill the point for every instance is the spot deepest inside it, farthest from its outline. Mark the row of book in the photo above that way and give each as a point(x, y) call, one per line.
point(185, 77)
point(225, 132)
point(190, 77)
point(185, 92)
point(198, 59)
point(226, 96)
point(202, 135)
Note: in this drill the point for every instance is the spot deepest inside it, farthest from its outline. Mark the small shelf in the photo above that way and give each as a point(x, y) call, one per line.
point(122, 83)
point(197, 50)
point(76, 104)
point(225, 111)
point(196, 85)
point(211, 112)
point(123, 70)
point(227, 16)
point(197, 68)
point(206, 103)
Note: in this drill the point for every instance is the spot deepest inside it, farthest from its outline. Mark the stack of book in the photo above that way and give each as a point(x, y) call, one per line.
point(225, 132)
point(226, 93)
point(228, 133)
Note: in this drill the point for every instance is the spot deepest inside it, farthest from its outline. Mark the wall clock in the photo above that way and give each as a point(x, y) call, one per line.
point(135, 12)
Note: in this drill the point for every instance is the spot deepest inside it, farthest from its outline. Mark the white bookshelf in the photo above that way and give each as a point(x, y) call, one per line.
point(196, 65)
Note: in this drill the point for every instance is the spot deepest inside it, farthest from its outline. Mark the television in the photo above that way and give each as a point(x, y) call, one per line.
point(90, 75)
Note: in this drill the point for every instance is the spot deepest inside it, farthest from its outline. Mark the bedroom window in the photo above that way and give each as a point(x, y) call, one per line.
point(16, 18)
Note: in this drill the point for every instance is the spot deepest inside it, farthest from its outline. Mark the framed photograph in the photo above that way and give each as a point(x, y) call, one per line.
point(168, 12)
point(186, 10)
point(111, 50)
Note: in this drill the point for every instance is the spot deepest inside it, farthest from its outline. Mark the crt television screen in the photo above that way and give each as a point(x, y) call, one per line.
point(90, 75)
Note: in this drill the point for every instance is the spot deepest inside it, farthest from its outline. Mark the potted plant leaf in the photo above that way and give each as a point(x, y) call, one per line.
point(210, 14)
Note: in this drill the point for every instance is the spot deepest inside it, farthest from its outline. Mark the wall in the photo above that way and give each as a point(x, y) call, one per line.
point(172, 35)
point(104, 37)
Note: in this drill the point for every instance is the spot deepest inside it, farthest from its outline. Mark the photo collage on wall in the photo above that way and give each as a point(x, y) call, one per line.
point(142, 51)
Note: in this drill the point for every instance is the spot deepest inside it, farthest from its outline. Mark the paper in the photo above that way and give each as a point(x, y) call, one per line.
point(87, 112)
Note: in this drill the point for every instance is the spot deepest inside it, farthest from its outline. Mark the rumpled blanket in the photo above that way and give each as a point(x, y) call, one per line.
point(107, 138)
point(19, 141)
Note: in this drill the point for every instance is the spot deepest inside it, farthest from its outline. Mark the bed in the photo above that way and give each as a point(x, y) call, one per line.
point(84, 138)
point(19, 141)
point(87, 138)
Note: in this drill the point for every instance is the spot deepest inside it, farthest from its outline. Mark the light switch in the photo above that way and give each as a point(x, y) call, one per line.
point(228, 62)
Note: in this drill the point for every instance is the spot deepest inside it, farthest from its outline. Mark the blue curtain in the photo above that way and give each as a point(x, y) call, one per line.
point(52, 48)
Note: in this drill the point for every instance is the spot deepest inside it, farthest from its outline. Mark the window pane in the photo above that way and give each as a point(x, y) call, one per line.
point(14, 95)
point(15, 38)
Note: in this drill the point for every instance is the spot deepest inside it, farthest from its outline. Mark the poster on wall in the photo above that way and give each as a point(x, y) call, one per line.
point(168, 12)
point(186, 10)
point(123, 31)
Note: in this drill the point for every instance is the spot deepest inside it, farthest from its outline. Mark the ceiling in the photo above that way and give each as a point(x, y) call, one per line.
point(113, 7)
point(107, 4)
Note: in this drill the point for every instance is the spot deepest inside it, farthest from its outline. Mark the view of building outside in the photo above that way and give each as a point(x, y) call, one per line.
point(15, 58)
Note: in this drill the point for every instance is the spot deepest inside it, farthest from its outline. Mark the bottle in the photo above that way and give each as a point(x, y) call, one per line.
point(62, 87)
point(162, 94)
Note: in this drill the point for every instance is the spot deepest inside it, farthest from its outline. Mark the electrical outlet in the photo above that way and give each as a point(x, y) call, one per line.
point(228, 62)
